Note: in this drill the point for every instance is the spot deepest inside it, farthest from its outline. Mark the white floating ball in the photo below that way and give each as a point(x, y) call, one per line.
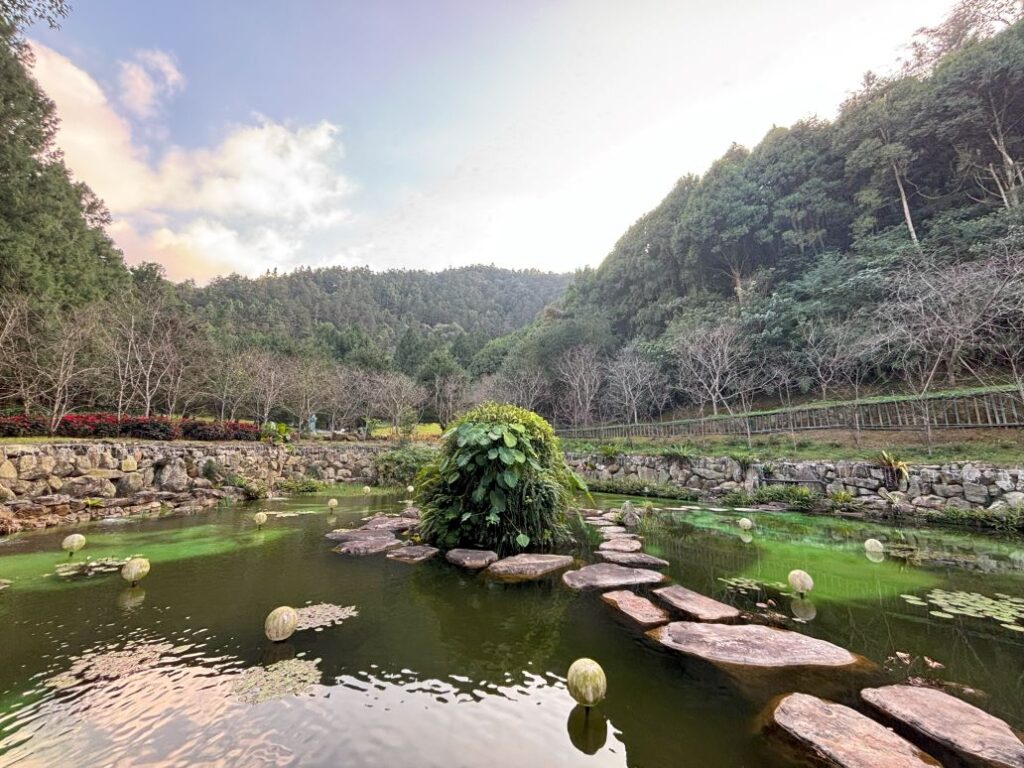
point(281, 623)
point(73, 543)
point(873, 545)
point(745, 523)
point(260, 518)
point(135, 570)
point(367, 490)
point(332, 503)
point(800, 581)
point(586, 682)
point(410, 489)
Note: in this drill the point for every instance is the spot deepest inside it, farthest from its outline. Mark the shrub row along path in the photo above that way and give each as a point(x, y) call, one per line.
point(909, 725)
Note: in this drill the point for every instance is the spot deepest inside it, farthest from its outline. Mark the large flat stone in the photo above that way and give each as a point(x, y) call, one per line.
point(416, 553)
point(359, 534)
point(620, 545)
point(751, 646)
point(610, 529)
point(385, 523)
point(639, 609)
point(610, 576)
point(833, 735)
point(474, 559)
point(632, 559)
point(696, 605)
point(527, 567)
point(974, 736)
point(367, 546)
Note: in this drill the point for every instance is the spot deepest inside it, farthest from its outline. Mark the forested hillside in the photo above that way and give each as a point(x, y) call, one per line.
point(881, 248)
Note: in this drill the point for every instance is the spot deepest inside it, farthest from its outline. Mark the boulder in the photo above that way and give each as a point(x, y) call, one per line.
point(751, 646)
point(411, 513)
point(89, 487)
point(632, 559)
point(130, 483)
point(359, 534)
point(129, 464)
point(9, 472)
point(696, 605)
point(610, 576)
point(975, 737)
point(474, 559)
point(6, 494)
point(385, 523)
point(639, 609)
point(527, 567)
point(833, 735)
point(367, 546)
point(416, 553)
point(172, 476)
point(620, 545)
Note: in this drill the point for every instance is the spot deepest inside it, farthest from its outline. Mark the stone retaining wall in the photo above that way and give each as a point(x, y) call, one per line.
point(52, 483)
point(930, 491)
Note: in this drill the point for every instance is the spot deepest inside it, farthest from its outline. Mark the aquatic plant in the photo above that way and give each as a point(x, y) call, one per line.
point(1005, 609)
point(586, 682)
point(499, 482)
point(281, 623)
point(135, 570)
point(323, 615)
point(304, 486)
point(73, 543)
point(800, 581)
point(290, 677)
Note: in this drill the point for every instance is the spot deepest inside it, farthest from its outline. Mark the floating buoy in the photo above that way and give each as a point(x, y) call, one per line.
point(586, 682)
point(873, 545)
point(800, 581)
point(367, 490)
point(260, 518)
point(281, 623)
point(410, 489)
point(332, 503)
point(745, 523)
point(72, 543)
point(135, 570)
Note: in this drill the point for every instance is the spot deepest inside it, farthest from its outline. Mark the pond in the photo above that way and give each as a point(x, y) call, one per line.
point(446, 668)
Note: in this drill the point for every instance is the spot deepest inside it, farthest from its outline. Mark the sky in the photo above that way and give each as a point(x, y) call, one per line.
point(253, 135)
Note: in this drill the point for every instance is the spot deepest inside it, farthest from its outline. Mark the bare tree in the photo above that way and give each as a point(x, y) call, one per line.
point(226, 382)
point(635, 386)
point(269, 375)
point(308, 388)
point(394, 396)
point(710, 359)
point(449, 392)
point(348, 396)
point(579, 373)
point(525, 386)
point(824, 349)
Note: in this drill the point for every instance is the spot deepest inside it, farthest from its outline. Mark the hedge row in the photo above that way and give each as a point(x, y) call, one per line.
point(139, 427)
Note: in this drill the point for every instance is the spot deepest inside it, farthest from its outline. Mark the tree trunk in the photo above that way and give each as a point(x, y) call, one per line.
point(906, 206)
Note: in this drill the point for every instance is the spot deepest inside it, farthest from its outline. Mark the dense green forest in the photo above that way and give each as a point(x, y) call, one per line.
point(880, 250)
point(822, 255)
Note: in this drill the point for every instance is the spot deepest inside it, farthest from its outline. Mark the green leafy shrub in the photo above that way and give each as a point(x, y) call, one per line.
point(499, 482)
point(250, 488)
point(633, 486)
point(307, 485)
point(736, 499)
point(795, 496)
point(399, 466)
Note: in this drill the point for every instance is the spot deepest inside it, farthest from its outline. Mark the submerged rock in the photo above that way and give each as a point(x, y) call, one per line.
point(751, 645)
point(526, 567)
point(610, 576)
point(634, 559)
point(973, 735)
point(361, 547)
point(696, 605)
point(474, 559)
point(834, 735)
point(639, 609)
point(416, 553)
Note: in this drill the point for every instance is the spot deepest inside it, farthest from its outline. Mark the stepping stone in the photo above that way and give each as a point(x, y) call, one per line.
point(527, 567)
point(974, 736)
point(610, 576)
point(416, 553)
point(362, 547)
point(610, 529)
point(359, 534)
point(599, 522)
point(633, 559)
point(834, 735)
point(751, 646)
point(639, 609)
point(385, 523)
point(474, 559)
point(695, 605)
point(411, 513)
point(620, 545)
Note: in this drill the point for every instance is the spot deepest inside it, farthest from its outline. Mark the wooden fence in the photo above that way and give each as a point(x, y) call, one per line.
point(1001, 409)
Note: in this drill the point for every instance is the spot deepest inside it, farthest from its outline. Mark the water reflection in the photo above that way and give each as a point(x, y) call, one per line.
point(588, 729)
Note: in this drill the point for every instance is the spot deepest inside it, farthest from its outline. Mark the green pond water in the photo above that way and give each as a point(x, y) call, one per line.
point(446, 668)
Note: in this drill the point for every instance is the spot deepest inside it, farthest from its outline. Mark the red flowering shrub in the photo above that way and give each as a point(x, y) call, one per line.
point(139, 427)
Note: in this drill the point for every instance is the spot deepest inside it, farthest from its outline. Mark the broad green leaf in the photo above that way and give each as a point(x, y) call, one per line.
point(510, 440)
point(497, 501)
point(523, 540)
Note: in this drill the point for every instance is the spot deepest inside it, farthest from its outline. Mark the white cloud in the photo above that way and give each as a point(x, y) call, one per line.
point(145, 81)
point(245, 204)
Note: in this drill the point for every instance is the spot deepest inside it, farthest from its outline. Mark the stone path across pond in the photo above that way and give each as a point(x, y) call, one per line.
point(695, 605)
point(639, 609)
point(527, 567)
point(610, 576)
